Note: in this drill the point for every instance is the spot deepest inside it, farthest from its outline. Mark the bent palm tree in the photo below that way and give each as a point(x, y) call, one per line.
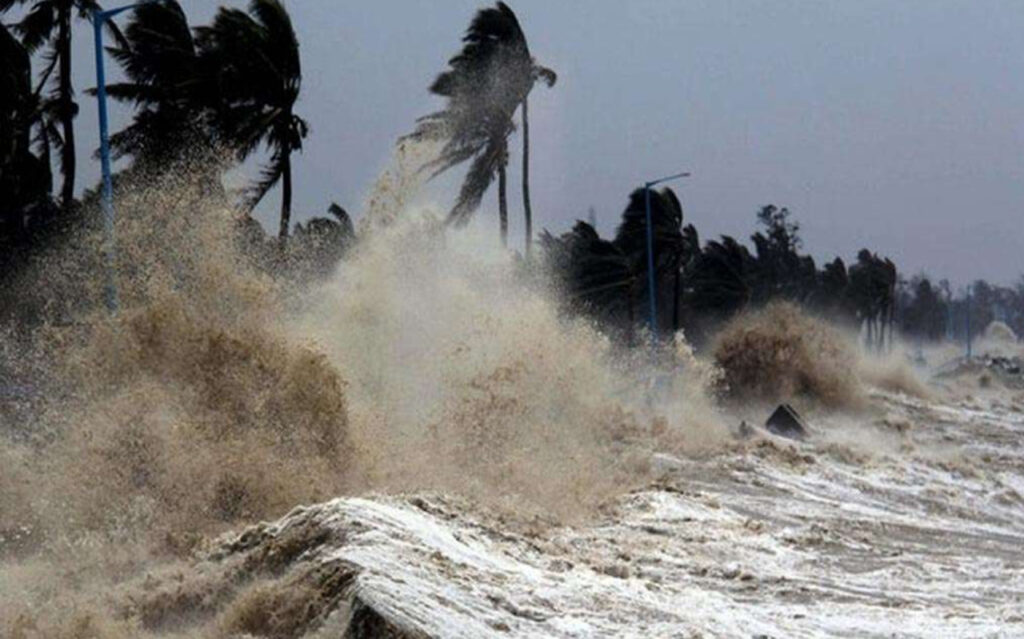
point(161, 64)
point(485, 84)
point(722, 279)
point(593, 272)
point(49, 22)
point(258, 75)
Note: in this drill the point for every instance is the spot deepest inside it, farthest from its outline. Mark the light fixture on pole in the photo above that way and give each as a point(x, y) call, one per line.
point(652, 293)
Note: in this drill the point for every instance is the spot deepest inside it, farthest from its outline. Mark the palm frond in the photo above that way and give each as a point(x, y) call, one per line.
point(478, 178)
point(547, 75)
point(270, 175)
point(37, 26)
point(51, 59)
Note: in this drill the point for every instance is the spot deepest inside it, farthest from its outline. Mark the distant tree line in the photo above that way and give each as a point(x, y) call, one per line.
point(698, 287)
point(930, 312)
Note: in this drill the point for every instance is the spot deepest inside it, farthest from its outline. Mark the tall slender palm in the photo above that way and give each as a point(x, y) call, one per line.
point(49, 23)
point(485, 83)
point(254, 58)
point(549, 78)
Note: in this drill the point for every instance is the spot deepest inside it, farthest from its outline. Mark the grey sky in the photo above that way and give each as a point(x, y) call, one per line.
point(892, 125)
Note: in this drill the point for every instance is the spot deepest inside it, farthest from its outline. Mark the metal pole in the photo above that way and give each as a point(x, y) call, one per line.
point(968, 322)
point(652, 293)
point(949, 317)
point(107, 199)
point(99, 18)
point(652, 323)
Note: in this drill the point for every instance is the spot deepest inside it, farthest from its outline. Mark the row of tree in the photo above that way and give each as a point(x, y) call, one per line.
point(231, 87)
point(930, 312)
point(197, 93)
point(697, 287)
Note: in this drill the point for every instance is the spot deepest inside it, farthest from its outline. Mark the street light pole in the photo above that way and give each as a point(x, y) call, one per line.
point(968, 321)
point(99, 19)
point(652, 293)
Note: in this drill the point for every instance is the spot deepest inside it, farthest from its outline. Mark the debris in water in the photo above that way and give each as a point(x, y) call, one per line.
point(786, 422)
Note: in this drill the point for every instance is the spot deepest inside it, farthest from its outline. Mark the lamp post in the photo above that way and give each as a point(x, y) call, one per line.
point(968, 321)
point(653, 319)
point(99, 19)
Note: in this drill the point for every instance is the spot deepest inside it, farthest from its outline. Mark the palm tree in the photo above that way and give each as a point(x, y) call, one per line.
point(722, 279)
point(26, 209)
point(485, 84)
point(833, 289)
point(161, 64)
point(16, 109)
point(872, 288)
point(15, 100)
point(49, 22)
point(593, 273)
point(321, 242)
point(670, 247)
point(254, 59)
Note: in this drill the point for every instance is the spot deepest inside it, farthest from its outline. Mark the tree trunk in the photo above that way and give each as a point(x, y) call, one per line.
point(630, 317)
point(892, 318)
point(67, 107)
point(527, 212)
point(883, 330)
point(887, 329)
point(503, 205)
point(286, 197)
point(675, 298)
point(880, 338)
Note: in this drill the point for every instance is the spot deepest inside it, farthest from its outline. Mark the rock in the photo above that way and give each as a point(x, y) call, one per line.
point(786, 422)
point(662, 464)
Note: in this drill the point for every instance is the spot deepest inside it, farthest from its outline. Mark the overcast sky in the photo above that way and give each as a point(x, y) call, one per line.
point(892, 125)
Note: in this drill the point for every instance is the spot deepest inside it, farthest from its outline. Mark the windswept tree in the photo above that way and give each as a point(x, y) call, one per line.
point(609, 279)
point(923, 309)
point(320, 243)
point(254, 58)
point(48, 23)
point(485, 83)
point(670, 247)
point(593, 274)
point(784, 273)
point(720, 283)
point(833, 291)
point(873, 290)
point(164, 82)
